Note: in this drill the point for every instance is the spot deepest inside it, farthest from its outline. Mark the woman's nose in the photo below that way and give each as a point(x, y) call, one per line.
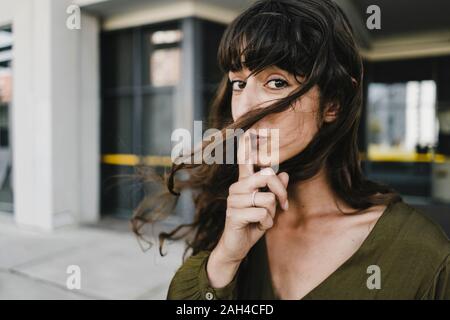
point(246, 101)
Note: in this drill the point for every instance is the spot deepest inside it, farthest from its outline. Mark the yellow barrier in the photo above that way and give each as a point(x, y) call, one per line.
point(165, 161)
point(133, 160)
point(405, 157)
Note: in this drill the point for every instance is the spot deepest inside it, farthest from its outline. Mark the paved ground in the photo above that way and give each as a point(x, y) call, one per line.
point(33, 265)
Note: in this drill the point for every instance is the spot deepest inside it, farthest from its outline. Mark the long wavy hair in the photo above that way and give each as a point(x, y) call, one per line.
point(309, 38)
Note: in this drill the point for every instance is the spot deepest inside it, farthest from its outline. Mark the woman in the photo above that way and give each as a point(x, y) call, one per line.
point(316, 228)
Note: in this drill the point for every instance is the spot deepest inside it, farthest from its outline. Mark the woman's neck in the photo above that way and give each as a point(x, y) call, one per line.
point(310, 199)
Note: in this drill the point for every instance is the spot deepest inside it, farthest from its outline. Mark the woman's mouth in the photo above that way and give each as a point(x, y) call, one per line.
point(257, 140)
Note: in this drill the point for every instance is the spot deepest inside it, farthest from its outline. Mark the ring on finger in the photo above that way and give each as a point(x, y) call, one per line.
point(253, 198)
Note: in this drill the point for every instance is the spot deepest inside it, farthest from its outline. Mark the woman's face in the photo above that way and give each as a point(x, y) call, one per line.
point(297, 125)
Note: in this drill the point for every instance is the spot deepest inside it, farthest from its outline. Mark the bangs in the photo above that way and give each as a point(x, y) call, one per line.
point(256, 40)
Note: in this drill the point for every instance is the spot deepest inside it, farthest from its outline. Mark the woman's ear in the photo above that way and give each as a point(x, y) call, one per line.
point(331, 112)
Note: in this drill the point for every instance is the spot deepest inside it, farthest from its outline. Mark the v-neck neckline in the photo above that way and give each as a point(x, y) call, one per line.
point(369, 238)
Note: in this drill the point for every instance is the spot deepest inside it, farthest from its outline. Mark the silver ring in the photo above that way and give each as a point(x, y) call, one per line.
point(253, 198)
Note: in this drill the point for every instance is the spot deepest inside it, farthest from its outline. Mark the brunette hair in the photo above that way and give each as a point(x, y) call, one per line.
point(308, 38)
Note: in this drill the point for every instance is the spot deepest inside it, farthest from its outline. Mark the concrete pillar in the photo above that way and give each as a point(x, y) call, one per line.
point(55, 116)
point(188, 106)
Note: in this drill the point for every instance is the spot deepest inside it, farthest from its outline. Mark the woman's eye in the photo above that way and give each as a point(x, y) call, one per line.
point(277, 84)
point(237, 85)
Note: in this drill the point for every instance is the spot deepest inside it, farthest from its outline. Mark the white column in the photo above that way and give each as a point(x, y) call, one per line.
point(55, 120)
point(90, 120)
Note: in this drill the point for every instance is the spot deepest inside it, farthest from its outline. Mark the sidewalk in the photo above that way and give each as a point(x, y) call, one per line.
point(33, 264)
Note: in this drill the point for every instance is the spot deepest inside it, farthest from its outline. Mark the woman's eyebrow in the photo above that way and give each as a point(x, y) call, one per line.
point(262, 73)
point(277, 70)
point(236, 72)
point(271, 69)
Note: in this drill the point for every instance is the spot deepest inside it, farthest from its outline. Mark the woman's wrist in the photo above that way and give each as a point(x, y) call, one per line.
point(221, 270)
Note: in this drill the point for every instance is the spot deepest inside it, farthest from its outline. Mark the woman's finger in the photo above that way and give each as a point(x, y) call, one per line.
point(263, 178)
point(284, 177)
point(242, 217)
point(262, 199)
point(245, 156)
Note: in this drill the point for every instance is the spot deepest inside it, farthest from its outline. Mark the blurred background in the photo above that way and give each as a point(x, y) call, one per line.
point(82, 104)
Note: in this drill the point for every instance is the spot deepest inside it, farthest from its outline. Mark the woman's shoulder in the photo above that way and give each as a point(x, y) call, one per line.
point(416, 251)
point(410, 228)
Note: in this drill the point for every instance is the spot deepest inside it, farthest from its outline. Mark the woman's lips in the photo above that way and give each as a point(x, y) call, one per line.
point(257, 140)
point(261, 140)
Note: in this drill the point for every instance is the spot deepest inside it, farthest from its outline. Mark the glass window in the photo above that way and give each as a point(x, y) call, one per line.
point(117, 193)
point(166, 37)
point(117, 125)
point(6, 194)
point(161, 57)
point(165, 67)
point(157, 118)
point(117, 59)
point(401, 119)
point(140, 71)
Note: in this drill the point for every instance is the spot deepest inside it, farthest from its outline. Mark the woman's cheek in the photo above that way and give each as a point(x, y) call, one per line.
point(291, 144)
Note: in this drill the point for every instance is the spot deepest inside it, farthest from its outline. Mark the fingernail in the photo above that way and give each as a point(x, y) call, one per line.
point(286, 205)
point(267, 172)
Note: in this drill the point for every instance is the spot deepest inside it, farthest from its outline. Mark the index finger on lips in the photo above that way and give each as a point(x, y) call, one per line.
point(263, 178)
point(245, 156)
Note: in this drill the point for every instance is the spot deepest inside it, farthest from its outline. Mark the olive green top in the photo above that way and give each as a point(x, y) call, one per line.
point(405, 256)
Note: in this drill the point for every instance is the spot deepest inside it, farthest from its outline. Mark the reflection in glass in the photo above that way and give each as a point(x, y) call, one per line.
point(117, 125)
point(401, 117)
point(166, 36)
point(117, 192)
point(6, 192)
point(140, 73)
point(157, 119)
point(117, 59)
point(165, 67)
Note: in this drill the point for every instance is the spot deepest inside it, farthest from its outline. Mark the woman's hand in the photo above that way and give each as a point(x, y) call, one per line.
point(245, 224)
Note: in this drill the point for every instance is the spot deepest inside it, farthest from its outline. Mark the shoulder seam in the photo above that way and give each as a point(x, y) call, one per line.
point(439, 268)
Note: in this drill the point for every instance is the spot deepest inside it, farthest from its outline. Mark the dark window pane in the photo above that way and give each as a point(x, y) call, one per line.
point(157, 125)
point(117, 59)
point(117, 125)
point(118, 190)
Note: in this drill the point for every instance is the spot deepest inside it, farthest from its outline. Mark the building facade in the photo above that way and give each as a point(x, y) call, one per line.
point(92, 88)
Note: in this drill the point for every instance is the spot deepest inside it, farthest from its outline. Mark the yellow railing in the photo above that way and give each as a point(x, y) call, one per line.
point(165, 161)
point(406, 157)
point(133, 160)
point(378, 153)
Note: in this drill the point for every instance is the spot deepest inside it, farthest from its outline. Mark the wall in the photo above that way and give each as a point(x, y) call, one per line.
point(55, 114)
